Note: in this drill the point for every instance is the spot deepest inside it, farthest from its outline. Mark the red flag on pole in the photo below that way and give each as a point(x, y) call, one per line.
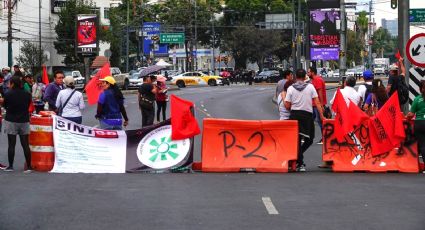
point(391, 118)
point(45, 77)
point(357, 116)
point(379, 141)
point(398, 55)
point(183, 122)
point(342, 120)
point(93, 89)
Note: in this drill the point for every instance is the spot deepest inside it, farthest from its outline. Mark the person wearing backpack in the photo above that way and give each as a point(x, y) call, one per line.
point(376, 99)
point(70, 102)
point(146, 97)
point(397, 82)
point(365, 89)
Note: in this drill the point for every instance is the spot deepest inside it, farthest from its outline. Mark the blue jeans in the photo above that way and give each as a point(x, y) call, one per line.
point(316, 117)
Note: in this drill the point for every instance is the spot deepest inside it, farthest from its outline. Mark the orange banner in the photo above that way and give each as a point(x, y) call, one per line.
point(354, 153)
point(242, 145)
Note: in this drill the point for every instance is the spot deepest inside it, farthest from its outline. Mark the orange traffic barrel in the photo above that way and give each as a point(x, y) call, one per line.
point(41, 143)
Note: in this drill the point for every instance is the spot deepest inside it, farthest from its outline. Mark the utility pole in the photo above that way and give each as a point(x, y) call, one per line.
point(343, 43)
point(299, 37)
point(196, 36)
point(294, 62)
point(213, 46)
point(9, 33)
point(403, 36)
point(369, 37)
point(40, 57)
point(127, 37)
point(142, 37)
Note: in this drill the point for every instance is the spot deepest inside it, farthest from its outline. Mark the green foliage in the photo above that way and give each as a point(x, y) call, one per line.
point(354, 47)
point(383, 42)
point(65, 30)
point(362, 22)
point(29, 57)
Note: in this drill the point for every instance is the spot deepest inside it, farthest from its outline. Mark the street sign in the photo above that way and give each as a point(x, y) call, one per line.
point(417, 16)
point(415, 50)
point(171, 38)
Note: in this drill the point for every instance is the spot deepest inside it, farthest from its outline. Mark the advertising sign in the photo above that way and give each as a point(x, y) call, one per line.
point(324, 36)
point(86, 36)
point(152, 29)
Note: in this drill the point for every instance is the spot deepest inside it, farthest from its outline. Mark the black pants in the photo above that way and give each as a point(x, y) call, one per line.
point(11, 139)
point(306, 131)
point(161, 105)
point(148, 116)
point(420, 136)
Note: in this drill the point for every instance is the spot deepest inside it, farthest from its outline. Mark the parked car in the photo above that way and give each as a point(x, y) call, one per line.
point(135, 81)
point(196, 78)
point(122, 79)
point(350, 72)
point(267, 76)
point(79, 80)
point(358, 72)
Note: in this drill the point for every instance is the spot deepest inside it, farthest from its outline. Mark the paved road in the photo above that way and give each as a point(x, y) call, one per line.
point(317, 199)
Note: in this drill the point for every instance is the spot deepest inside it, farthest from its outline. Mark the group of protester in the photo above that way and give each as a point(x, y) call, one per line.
point(304, 99)
point(21, 97)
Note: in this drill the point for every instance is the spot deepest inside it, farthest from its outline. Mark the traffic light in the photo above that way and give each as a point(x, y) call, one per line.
point(394, 4)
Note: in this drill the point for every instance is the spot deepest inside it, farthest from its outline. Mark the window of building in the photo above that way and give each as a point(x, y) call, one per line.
point(106, 13)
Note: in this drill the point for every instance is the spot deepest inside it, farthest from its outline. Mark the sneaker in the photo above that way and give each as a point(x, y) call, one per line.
point(3, 167)
point(9, 169)
point(28, 170)
point(320, 142)
point(301, 168)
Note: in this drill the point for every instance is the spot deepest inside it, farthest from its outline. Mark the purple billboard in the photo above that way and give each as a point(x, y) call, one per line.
point(324, 36)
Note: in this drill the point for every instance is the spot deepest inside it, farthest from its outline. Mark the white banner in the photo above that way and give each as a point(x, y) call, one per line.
point(83, 149)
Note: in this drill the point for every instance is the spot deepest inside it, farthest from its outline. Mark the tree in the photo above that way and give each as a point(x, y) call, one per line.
point(65, 30)
point(29, 57)
point(383, 42)
point(250, 43)
point(362, 23)
point(354, 47)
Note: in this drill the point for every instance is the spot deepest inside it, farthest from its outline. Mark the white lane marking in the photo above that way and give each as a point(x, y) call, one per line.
point(202, 105)
point(269, 206)
point(205, 110)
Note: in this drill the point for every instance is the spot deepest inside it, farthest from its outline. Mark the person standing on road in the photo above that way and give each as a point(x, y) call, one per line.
point(376, 99)
point(28, 82)
point(146, 98)
point(366, 88)
point(287, 75)
point(395, 79)
point(52, 90)
point(349, 93)
point(16, 102)
point(418, 109)
point(6, 79)
point(299, 100)
point(37, 95)
point(283, 112)
point(70, 101)
point(161, 99)
point(320, 86)
point(110, 106)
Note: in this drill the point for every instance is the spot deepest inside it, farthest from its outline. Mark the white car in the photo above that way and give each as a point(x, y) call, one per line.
point(135, 81)
point(79, 80)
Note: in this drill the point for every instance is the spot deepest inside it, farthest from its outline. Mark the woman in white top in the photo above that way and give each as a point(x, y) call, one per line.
point(70, 102)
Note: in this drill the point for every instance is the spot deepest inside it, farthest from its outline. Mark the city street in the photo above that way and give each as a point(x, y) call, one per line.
point(316, 199)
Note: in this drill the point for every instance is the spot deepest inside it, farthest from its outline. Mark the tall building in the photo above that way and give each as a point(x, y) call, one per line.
point(391, 26)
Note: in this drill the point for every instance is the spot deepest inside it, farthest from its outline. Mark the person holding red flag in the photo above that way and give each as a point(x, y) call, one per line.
point(94, 87)
point(418, 109)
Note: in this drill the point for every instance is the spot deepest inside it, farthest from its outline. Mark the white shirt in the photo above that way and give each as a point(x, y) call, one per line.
point(301, 100)
point(362, 90)
point(75, 104)
point(349, 94)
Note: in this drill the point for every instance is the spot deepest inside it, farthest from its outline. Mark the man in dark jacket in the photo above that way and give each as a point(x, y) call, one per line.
point(52, 90)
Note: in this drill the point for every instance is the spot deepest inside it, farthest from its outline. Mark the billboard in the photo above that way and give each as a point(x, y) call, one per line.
point(324, 36)
point(86, 35)
point(153, 29)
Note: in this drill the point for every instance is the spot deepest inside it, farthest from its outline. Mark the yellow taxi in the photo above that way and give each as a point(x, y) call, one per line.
point(196, 78)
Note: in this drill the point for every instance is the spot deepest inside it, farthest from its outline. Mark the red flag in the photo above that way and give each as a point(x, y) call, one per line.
point(379, 140)
point(357, 116)
point(391, 118)
point(93, 88)
point(183, 122)
point(342, 118)
point(45, 77)
point(398, 55)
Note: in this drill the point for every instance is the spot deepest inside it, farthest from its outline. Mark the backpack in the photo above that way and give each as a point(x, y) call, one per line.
point(366, 94)
point(402, 90)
